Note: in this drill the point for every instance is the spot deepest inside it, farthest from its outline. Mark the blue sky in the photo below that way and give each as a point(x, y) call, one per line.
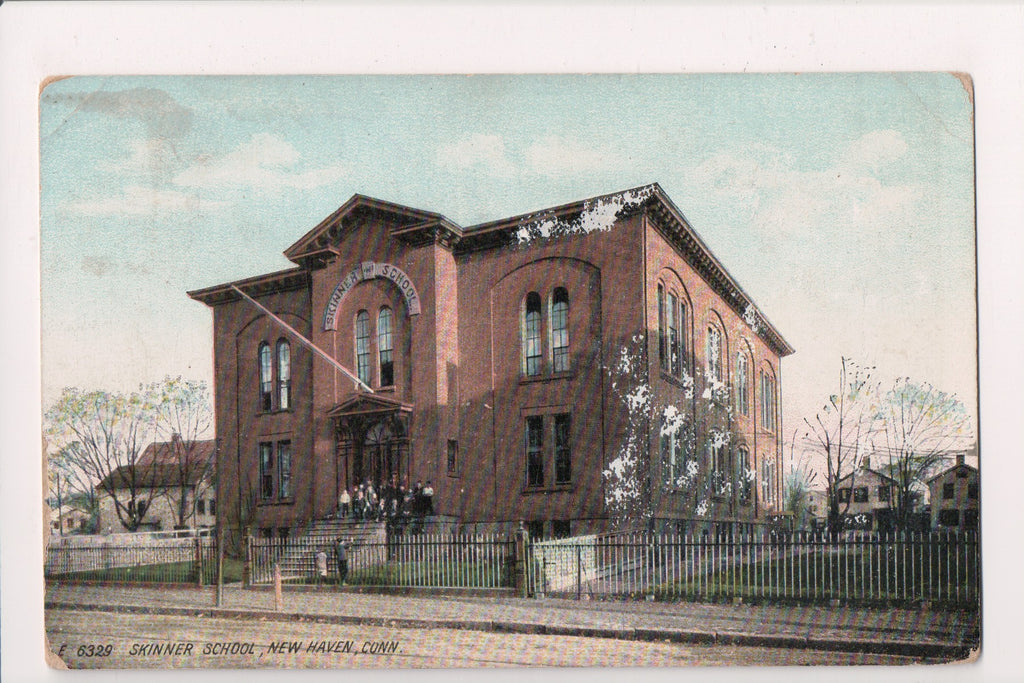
point(843, 204)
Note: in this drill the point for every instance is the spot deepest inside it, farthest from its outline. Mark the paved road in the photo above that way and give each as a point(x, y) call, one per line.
point(199, 643)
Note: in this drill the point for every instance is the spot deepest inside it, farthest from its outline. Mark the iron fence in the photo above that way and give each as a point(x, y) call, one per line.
point(423, 560)
point(856, 568)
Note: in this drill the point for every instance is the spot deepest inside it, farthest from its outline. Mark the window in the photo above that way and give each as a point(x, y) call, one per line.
point(385, 346)
point(714, 354)
point(768, 479)
point(531, 335)
point(213, 507)
point(717, 460)
point(560, 528)
point(742, 479)
point(742, 385)
point(883, 494)
point(535, 451)
point(949, 517)
point(767, 401)
point(535, 529)
point(948, 491)
point(284, 469)
point(363, 346)
point(844, 495)
point(201, 506)
point(860, 494)
point(266, 379)
point(672, 455)
point(681, 350)
point(563, 450)
point(560, 330)
point(453, 456)
point(971, 519)
point(284, 374)
point(673, 334)
point(662, 334)
point(266, 471)
point(972, 490)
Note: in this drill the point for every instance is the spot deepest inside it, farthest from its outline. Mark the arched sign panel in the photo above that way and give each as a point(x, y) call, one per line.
point(368, 270)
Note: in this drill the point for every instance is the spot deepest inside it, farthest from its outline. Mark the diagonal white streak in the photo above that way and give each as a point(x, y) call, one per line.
point(302, 340)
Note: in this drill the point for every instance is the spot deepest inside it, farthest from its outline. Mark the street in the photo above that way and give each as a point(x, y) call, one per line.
point(107, 640)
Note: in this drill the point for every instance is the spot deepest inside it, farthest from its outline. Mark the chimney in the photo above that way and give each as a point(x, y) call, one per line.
point(866, 463)
point(959, 458)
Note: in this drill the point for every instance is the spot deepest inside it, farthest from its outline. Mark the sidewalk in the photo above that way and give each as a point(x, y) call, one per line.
point(925, 633)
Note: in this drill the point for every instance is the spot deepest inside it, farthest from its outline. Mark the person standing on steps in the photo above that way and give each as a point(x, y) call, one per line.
point(341, 550)
point(344, 504)
point(428, 499)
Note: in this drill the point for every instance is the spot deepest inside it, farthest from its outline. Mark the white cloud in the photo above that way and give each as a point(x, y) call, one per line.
point(556, 156)
point(148, 157)
point(479, 151)
point(874, 150)
point(264, 161)
point(141, 201)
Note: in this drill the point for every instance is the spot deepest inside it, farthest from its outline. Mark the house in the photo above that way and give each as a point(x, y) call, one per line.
point(954, 497)
point(866, 499)
point(171, 480)
point(71, 520)
point(497, 362)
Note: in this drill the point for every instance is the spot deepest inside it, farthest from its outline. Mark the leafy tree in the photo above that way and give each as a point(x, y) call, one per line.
point(919, 425)
point(841, 431)
point(183, 417)
point(101, 434)
point(70, 485)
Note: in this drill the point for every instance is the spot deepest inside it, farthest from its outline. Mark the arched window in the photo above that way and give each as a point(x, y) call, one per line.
point(743, 475)
point(266, 378)
point(742, 384)
point(385, 344)
point(560, 330)
point(662, 334)
point(714, 353)
point(363, 346)
point(284, 374)
point(531, 335)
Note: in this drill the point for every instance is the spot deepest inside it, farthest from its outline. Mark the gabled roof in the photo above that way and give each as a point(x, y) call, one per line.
point(164, 463)
point(408, 223)
point(367, 404)
point(951, 469)
point(861, 471)
point(178, 452)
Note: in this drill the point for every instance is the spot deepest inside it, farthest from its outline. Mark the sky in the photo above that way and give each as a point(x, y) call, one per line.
point(842, 203)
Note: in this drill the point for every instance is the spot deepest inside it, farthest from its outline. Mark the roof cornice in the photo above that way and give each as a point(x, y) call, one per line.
point(271, 283)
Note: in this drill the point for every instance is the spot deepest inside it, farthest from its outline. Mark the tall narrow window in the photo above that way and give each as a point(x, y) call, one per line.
point(672, 443)
point(535, 451)
point(682, 339)
point(266, 379)
point(385, 345)
point(560, 330)
point(284, 374)
point(453, 456)
point(563, 450)
point(673, 334)
point(768, 481)
point(531, 335)
point(714, 350)
point(742, 475)
point(662, 335)
point(767, 401)
point(363, 346)
point(284, 469)
point(266, 471)
point(742, 385)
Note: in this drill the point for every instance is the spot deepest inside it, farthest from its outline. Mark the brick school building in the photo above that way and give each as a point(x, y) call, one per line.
point(512, 364)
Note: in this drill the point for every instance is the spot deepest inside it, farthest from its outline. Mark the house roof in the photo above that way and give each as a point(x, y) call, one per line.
point(165, 463)
point(951, 469)
point(866, 470)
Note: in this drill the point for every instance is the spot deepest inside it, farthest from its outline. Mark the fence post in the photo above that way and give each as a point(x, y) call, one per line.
point(278, 598)
point(246, 558)
point(198, 546)
point(520, 556)
point(579, 571)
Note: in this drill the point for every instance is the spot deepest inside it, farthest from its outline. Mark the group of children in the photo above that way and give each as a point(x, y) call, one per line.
point(366, 504)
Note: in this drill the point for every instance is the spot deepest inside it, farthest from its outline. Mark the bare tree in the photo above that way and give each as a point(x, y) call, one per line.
point(183, 418)
point(920, 425)
point(70, 485)
point(841, 431)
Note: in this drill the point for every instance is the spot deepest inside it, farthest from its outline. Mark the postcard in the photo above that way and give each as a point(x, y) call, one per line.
point(510, 370)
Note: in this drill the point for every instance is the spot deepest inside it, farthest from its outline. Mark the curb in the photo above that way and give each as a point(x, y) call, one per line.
point(945, 651)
